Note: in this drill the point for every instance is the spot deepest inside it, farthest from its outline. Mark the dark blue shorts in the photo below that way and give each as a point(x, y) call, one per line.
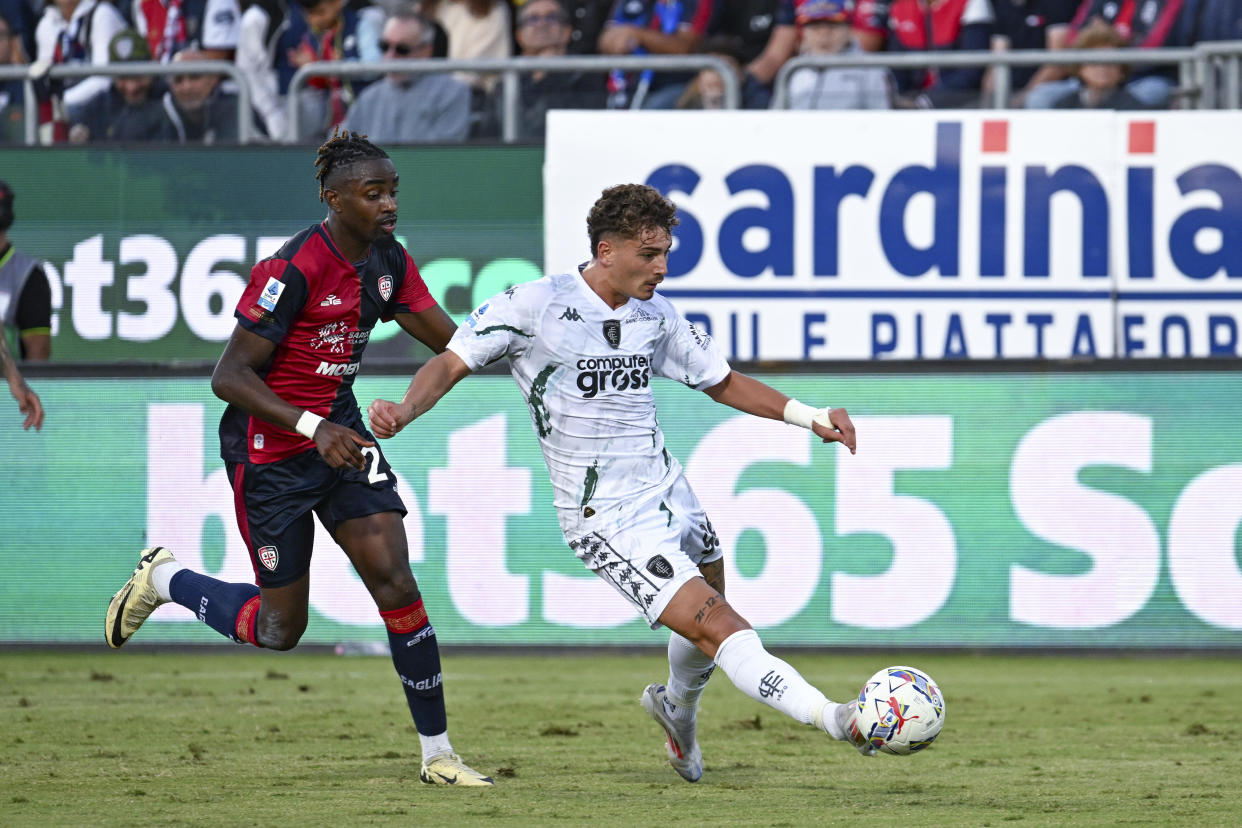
point(274, 502)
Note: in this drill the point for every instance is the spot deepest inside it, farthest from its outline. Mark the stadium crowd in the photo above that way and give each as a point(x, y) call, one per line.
point(269, 40)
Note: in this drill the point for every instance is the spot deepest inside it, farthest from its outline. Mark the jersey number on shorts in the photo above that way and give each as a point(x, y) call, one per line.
point(374, 475)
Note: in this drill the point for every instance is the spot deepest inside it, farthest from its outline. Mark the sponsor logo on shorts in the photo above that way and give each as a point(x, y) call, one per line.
point(385, 287)
point(271, 293)
point(269, 557)
point(660, 567)
point(258, 441)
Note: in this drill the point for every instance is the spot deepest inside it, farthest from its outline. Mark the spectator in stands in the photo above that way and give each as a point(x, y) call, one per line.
point(72, 32)
point(168, 25)
point(825, 29)
point(20, 17)
point(1101, 85)
point(475, 29)
point(1207, 21)
point(129, 109)
point(767, 37)
point(12, 98)
point(319, 30)
point(641, 27)
point(198, 109)
point(707, 89)
point(543, 31)
point(929, 26)
point(1030, 24)
point(221, 29)
point(871, 24)
point(411, 108)
point(586, 23)
point(1144, 24)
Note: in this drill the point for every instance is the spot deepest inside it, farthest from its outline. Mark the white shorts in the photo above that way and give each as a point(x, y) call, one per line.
point(654, 551)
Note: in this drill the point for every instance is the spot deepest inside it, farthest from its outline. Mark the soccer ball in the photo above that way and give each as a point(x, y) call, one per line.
point(900, 710)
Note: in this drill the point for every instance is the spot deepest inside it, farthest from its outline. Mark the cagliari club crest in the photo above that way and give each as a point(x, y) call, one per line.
point(612, 332)
point(269, 557)
point(385, 287)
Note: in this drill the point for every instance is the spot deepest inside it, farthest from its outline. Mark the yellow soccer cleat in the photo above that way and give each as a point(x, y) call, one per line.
point(135, 602)
point(448, 769)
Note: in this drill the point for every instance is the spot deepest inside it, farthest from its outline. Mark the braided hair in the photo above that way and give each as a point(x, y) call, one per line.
point(342, 150)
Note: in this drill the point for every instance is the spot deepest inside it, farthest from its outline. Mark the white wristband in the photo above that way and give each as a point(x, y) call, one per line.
point(308, 422)
point(801, 414)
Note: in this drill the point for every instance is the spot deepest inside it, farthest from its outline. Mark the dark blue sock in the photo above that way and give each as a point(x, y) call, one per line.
point(416, 655)
point(218, 604)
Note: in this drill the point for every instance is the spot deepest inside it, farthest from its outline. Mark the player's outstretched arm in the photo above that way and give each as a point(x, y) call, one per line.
point(28, 402)
point(236, 380)
point(431, 326)
point(431, 382)
point(748, 394)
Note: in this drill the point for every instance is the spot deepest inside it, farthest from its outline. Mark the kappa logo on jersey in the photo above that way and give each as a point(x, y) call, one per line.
point(269, 557)
point(620, 373)
point(330, 301)
point(660, 567)
point(338, 369)
point(385, 287)
point(612, 332)
point(271, 293)
point(571, 314)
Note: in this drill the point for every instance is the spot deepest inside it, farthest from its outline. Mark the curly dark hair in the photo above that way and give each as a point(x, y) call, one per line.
point(340, 151)
point(627, 210)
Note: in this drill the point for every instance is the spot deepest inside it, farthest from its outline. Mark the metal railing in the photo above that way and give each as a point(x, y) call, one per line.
point(1197, 68)
point(1210, 74)
point(29, 74)
point(508, 69)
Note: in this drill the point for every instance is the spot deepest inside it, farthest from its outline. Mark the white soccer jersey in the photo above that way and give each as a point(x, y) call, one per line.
point(585, 371)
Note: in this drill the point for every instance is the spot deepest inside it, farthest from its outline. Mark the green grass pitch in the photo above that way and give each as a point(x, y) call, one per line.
point(234, 737)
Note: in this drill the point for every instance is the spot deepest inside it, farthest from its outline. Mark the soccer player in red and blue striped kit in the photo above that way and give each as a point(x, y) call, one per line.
point(294, 442)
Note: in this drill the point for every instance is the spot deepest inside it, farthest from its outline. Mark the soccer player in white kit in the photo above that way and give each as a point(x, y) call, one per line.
point(583, 348)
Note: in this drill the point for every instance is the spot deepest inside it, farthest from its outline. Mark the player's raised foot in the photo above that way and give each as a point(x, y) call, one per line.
point(448, 769)
point(846, 717)
point(135, 601)
point(683, 749)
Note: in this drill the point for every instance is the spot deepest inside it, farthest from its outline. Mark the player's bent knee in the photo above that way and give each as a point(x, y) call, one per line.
point(274, 634)
point(395, 591)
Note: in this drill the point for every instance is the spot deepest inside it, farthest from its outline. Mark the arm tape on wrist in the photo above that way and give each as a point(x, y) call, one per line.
point(801, 414)
point(307, 423)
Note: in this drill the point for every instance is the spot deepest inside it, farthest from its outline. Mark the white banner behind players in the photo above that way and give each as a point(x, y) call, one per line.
point(815, 235)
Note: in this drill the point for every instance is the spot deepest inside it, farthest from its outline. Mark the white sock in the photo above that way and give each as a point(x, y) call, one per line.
point(161, 576)
point(688, 672)
point(435, 745)
point(765, 678)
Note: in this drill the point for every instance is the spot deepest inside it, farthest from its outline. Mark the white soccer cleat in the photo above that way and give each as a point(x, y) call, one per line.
point(448, 769)
point(683, 749)
point(847, 719)
point(135, 601)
